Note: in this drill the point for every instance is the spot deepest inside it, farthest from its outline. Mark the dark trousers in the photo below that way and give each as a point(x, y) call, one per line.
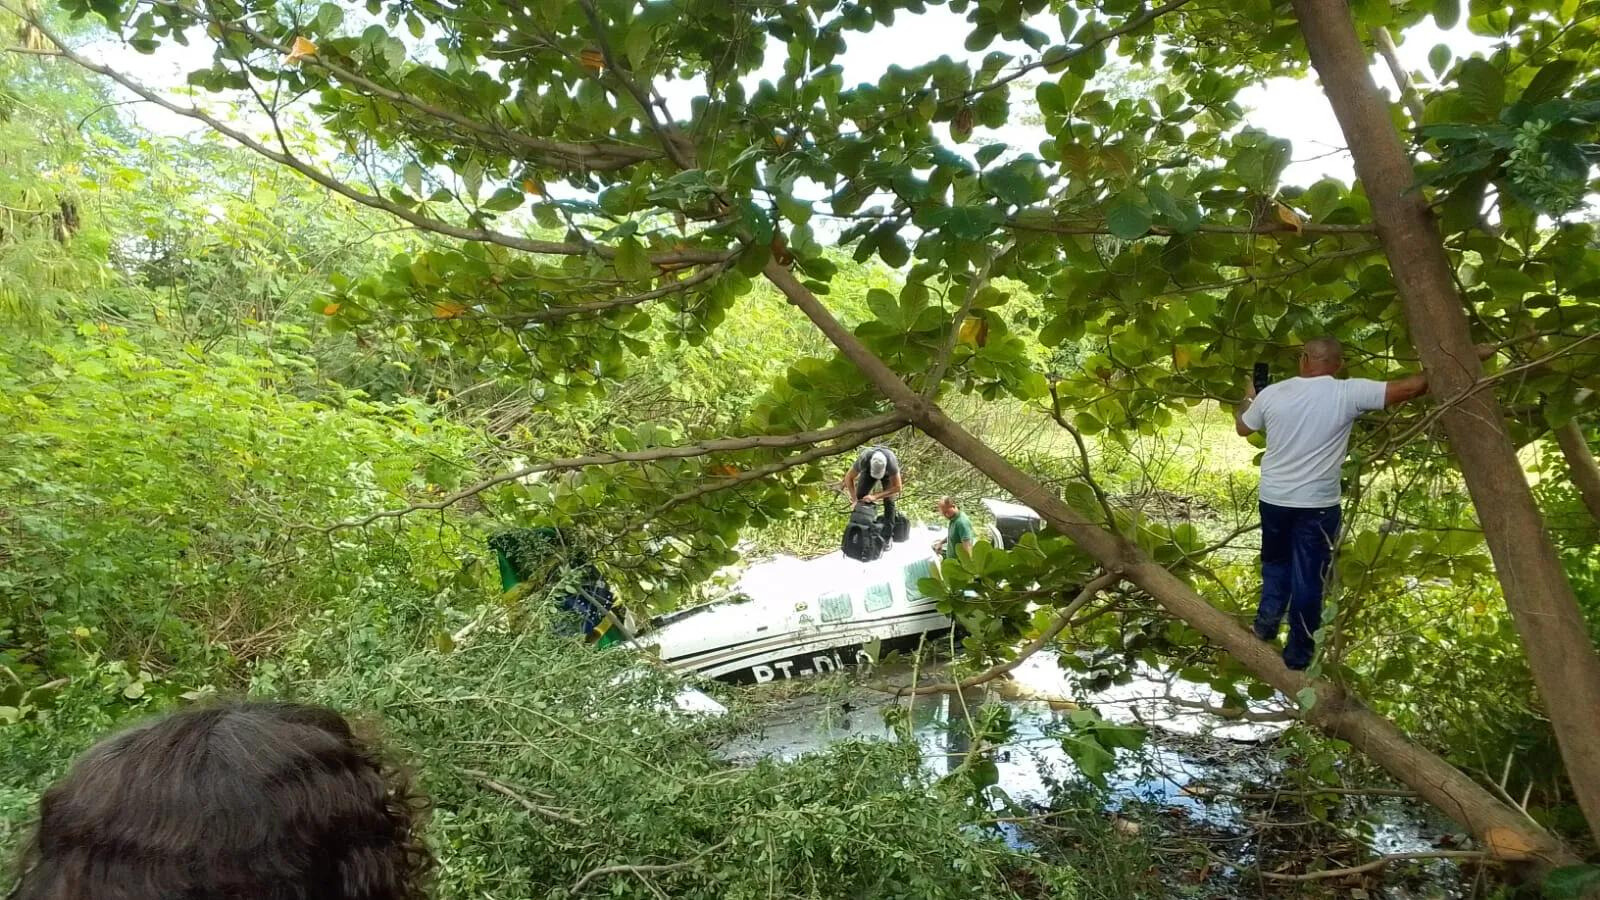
point(1296, 554)
point(865, 486)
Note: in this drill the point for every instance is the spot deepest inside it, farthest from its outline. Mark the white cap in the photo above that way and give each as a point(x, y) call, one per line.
point(878, 464)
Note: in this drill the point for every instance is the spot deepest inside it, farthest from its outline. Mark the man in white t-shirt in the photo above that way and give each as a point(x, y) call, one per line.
point(1307, 421)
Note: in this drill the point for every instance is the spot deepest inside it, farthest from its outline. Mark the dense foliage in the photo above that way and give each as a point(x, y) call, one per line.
point(485, 240)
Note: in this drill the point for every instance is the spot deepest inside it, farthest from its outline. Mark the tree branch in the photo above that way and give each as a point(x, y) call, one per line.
point(980, 277)
point(882, 425)
point(427, 223)
point(596, 157)
point(1089, 592)
point(557, 313)
point(1262, 228)
point(654, 454)
point(1402, 81)
point(680, 156)
point(1083, 458)
point(1132, 24)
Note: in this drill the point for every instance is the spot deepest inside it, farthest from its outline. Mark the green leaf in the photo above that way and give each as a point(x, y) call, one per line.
point(472, 178)
point(1127, 737)
point(1011, 183)
point(1128, 220)
point(1068, 18)
point(969, 223)
point(796, 211)
point(1550, 82)
point(632, 262)
point(1446, 13)
point(329, 17)
point(1482, 87)
point(885, 307)
point(1306, 697)
point(504, 200)
point(892, 250)
point(413, 178)
point(637, 43)
point(988, 153)
point(1439, 59)
point(1093, 760)
point(1571, 882)
point(394, 53)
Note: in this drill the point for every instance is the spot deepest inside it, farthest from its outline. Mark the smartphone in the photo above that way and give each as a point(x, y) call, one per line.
point(1262, 377)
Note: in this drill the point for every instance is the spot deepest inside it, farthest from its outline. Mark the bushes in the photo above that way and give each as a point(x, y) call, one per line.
point(540, 715)
point(163, 508)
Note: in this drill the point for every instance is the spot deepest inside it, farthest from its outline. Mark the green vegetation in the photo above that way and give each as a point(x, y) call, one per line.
point(261, 405)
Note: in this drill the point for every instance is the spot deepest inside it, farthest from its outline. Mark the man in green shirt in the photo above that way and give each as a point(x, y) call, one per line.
point(960, 536)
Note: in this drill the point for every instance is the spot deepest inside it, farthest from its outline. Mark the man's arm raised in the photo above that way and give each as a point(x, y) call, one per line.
point(1413, 386)
point(1239, 411)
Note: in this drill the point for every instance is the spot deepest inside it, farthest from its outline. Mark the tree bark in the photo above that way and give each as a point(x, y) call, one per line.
point(1555, 636)
point(1580, 460)
point(1505, 831)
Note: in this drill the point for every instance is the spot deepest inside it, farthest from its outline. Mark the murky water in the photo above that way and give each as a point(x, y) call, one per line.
point(1185, 780)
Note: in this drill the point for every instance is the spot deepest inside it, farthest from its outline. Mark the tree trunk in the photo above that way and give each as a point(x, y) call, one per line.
point(1555, 637)
point(1503, 830)
point(1580, 459)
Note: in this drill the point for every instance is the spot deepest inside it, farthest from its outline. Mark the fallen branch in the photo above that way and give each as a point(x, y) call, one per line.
point(887, 421)
point(1232, 712)
point(642, 869)
point(1312, 792)
point(1061, 621)
point(1378, 863)
point(532, 807)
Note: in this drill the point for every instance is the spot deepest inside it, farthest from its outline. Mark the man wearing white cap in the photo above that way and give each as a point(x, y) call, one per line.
point(874, 477)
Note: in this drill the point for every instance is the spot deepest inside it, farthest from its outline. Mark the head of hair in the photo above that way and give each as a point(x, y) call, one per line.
point(242, 800)
point(947, 505)
point(1321, 356)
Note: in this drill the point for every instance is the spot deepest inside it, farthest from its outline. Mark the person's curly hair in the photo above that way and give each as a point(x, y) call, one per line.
point(242, 801)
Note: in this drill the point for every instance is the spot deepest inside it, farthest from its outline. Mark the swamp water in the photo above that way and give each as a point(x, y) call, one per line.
point(1201, 796)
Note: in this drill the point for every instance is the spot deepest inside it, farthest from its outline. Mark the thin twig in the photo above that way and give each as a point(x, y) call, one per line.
point(1083, 457)
point(980, 277)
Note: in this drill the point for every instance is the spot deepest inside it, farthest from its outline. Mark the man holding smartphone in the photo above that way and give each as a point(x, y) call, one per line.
point(1307, 421)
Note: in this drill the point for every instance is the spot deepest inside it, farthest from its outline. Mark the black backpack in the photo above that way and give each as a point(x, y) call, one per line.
point(902, 528)
point(863, 539)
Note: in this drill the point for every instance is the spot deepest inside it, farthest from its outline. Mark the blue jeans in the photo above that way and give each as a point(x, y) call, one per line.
point(1296, 553)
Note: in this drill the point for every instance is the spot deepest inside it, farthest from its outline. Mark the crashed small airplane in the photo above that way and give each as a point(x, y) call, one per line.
point(793, 618)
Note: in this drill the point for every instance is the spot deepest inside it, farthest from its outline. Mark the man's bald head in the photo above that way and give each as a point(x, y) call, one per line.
point(1321, 356)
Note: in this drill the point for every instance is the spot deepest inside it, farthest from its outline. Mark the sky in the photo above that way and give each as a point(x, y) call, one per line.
point(1294, 109)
